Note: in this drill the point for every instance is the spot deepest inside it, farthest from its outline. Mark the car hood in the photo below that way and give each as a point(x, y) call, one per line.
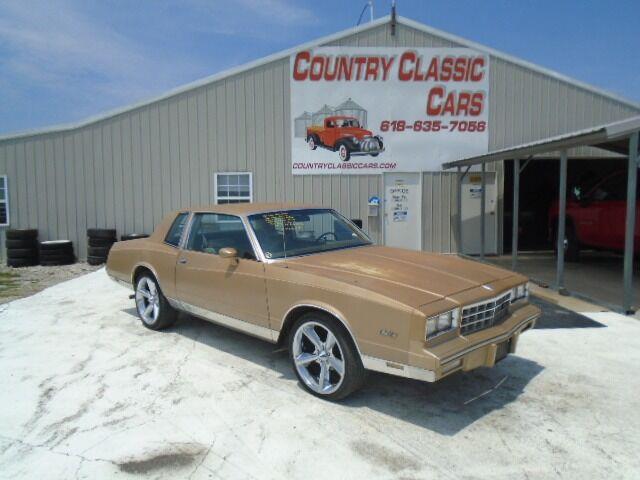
point(360, 133)
point(411, 277)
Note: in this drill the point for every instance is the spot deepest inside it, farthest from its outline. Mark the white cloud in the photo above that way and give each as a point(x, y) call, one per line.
point(98, 56)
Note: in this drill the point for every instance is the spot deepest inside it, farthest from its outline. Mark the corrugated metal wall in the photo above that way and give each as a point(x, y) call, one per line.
point(129, 170)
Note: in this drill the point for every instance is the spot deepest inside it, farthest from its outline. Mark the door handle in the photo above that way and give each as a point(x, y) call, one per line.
point(182, 261)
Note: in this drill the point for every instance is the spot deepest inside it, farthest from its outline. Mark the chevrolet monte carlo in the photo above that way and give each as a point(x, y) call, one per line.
point(308, 279)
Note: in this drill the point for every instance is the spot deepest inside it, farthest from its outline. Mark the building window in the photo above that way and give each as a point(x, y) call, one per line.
point(233, 188)
point(4, 201)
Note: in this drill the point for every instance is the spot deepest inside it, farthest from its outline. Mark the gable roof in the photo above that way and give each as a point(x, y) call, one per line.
point(315, 43)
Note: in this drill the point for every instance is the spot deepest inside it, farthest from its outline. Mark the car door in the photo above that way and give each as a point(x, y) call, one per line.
point(233, 288)
point(605, 209)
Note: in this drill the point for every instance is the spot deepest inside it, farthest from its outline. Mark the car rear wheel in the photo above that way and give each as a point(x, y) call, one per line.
point(152, 306)
point(344, 153)
point(312, 143)
point(324, 358)
point(571, 244)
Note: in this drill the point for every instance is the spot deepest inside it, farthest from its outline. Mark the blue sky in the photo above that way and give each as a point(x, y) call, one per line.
point(64, 60)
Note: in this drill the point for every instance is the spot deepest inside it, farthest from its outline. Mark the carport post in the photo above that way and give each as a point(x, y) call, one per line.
point(516, 200)
point(482, 205)
point(630, 224)
point(562, 211)
point(459, 200)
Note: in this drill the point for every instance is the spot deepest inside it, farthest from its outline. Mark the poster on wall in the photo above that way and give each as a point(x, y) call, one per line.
point(370, 110)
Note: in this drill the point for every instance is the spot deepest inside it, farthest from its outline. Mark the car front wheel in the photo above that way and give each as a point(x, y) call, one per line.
point(344, 153)
point(152, 306)
point(324, 358)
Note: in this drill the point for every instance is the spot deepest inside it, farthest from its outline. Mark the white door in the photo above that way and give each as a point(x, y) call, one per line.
point(471, 201)
point(403, 210)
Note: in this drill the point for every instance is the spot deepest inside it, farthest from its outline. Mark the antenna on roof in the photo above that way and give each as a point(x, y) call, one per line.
point(393, 18)
point(368, 5)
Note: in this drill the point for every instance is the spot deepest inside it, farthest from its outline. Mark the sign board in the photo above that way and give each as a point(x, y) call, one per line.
point(370, 110)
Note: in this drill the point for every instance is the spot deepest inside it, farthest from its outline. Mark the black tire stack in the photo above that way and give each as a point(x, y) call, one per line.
point(22, 247)
point(56, 252)
point(133, 236)
point(100, 242)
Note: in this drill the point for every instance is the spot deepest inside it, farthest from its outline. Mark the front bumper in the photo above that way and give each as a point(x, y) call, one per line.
point(480, 349)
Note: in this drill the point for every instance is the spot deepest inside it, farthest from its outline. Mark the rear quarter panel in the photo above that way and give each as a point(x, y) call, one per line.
point(160, 258)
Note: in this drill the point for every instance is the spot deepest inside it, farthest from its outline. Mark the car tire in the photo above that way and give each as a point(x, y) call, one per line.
point(91, 260)
point(22, 262)
point(107, 233)
point(133, 236)
point(343, 152)
point(12, 243)
point(101, 242)
point(51, 262)
point(56, 246)
point(344, 372)
point(148, 294)
point(312, 142)
point(99, 251)
point(571, 244)
point(21, 234)
point(22, 253)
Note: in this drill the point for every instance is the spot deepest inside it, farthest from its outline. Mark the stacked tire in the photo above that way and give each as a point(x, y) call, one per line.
point(56, 252)
point(100, 242)
point(133, 236)
point(22, 247)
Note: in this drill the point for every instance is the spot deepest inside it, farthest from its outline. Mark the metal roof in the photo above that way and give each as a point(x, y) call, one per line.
point(611, 136)
point(314, 43)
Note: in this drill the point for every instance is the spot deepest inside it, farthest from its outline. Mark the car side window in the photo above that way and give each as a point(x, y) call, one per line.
point(212, 231)
point(177, 227)
point(614, 188)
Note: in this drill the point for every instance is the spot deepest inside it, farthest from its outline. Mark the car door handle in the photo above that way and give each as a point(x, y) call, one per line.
point(182, 261)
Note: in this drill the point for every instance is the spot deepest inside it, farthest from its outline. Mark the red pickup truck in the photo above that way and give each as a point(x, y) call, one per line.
point(596, 219)
point(344, 135)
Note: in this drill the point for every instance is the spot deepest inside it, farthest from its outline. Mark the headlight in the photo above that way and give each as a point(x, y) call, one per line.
point(520, 292)
point(379, 137)
point(441, 323)
point(354, 139)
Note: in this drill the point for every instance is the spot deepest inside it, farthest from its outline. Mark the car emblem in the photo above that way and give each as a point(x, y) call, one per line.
point(487, 287)
point(388, 333)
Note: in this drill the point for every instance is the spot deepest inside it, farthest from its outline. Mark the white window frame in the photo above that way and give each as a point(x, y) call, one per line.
point(6, 201)
point(215, 186)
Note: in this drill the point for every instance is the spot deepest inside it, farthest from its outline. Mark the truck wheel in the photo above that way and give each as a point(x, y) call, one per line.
point(344, 153)
point(571, 244)
point(312, 143)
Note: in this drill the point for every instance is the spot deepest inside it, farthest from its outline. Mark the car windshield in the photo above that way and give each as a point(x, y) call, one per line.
point(348, 122)
point(303, 232)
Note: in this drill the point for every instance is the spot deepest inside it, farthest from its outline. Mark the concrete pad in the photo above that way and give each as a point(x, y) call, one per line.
point(87, 392)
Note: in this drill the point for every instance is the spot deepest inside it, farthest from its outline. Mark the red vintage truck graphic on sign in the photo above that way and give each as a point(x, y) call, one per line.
point(344, 135)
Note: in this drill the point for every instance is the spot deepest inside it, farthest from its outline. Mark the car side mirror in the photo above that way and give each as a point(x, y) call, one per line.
point(228, 252)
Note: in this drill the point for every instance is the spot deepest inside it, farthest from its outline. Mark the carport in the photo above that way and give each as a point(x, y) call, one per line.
point(619, 137)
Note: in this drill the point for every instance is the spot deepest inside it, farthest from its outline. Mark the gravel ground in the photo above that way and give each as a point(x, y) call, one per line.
point(88, 393)
point(21, 282)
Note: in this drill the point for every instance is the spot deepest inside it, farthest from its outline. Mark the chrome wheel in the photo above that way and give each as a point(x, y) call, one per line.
point(148, 300)
point(343, 152)
point(318, 358)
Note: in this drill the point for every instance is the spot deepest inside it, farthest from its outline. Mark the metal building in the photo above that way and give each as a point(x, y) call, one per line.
point(210, 140)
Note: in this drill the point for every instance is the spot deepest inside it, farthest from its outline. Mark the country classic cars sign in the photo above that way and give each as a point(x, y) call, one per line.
point(371, 110)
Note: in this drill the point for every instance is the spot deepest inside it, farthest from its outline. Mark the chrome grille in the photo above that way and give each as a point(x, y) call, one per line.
point(485, 314)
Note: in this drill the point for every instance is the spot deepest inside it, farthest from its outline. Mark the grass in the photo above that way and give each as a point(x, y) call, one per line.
point(8, 283)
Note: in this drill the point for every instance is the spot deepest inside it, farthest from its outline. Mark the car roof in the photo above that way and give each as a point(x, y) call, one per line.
point(250, 208)
point(341, 117)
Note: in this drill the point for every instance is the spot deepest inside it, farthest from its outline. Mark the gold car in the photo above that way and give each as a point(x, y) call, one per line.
point(307, 278)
